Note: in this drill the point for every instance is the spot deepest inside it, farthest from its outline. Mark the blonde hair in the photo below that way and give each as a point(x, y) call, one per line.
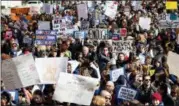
point(98, 101)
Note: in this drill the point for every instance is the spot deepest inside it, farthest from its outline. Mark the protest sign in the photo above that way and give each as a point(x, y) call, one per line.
point(127, 10)
point(84, 25)
point(27, 40)
point(43, 25)
point(82, 11)
point(74, 64)
point(123, 32)
point(59, 24)
point(145, 22)
point(34, 10)
point(8, 35)
point(172, 61)
point(75, 89)
point(168, 21)
point(119, 46)
point(136, 4)
point(49, 68)
point(114, 74)
point(111, 9)
point(20, 10)
point(45, 37)
point(47, 8)
point(97, 33)
point(126, 93)
point(80, 34)
point(171, 5)
point(19, 72)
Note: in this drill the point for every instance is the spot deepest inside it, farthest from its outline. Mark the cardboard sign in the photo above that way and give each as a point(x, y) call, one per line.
point(75, 89)
point(172, 61)
point(43, 25)
point(20, 10)
point(171, 5)
point(19, 72)
point(114, 74)
point(111, 9)
point(119, 46)
point(126, 94)
point(8, 35)
point(50, 68)
point(45, 37)
point(82, 11)
point(145, 22)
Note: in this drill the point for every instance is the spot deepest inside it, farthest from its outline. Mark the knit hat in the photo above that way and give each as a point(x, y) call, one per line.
point(157, 96)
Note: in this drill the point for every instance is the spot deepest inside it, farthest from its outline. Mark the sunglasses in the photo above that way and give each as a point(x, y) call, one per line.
point(147, 79)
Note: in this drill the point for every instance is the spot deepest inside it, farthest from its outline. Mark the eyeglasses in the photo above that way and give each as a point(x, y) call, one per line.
point(147, 80)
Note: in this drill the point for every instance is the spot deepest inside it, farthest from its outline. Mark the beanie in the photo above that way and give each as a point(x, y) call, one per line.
point(157, 96)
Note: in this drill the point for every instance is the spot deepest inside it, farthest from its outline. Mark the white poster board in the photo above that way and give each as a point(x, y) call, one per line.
point(126, 94)
point(44, 25)
point(114, 74)
point(74, 64)
point(19, 72)
point(82, 11)
point(48, 8)
point(173, 62)
point(145, 22)
point(111, 9)
point(49, 68)
point(75, 89)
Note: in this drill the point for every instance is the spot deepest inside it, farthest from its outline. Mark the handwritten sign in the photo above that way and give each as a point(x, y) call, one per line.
point(97, 33)
point(111, 9)
point(126, 94)
point(44, 25)
point(75, 89)
point(45, 37)
point(49, 68)
point(59, 24)
point(114, 74)
point(121, 45)
point(172, 61)
point(145, 22)
point(19, 72)
point(47, 8)
point(20, 10)
point(82, 11)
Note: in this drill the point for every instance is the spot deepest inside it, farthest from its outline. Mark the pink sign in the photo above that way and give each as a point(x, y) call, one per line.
point(123, 32)
point(8, 35)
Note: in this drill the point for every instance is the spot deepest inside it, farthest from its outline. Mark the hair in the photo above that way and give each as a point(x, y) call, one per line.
point(98, 101)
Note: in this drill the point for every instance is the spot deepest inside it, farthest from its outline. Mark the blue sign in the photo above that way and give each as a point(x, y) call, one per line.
point(46, 37)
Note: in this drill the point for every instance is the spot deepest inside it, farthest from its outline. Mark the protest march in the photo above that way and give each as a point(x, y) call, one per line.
point(90, 53)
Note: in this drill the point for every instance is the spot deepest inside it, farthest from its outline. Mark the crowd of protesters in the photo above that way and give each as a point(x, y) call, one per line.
point(158, 89)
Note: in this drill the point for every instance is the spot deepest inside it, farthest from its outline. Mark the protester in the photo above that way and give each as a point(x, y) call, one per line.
point(126, 51)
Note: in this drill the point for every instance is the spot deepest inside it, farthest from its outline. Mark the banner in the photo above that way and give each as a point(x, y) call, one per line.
point(50, 68)
point(82, 11)
point(145, 22)
point(126, 93)
point(48, 8)
point(171, 5)
point(45, 37)
point(119, 46)
point(97, 33)
point(111, 9)
point(172, 61)
point(43, 25)
point(75, 89)
point(19, 72)
point(114, 74)
point(20, 10)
